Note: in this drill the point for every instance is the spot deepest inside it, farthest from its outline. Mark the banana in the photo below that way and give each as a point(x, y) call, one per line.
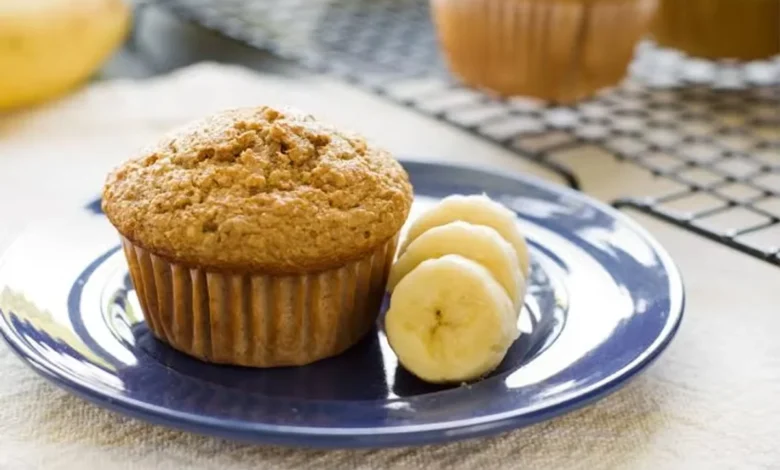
point(450, 321)
point(476, 242)
point(478, 210)
point(47, 47)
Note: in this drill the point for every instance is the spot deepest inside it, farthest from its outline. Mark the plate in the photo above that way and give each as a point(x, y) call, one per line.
point(604, 300)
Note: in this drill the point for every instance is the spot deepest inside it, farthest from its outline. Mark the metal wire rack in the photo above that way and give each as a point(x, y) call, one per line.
point(713, 129)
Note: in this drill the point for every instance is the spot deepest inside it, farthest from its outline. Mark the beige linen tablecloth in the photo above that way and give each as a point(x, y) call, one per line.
point(712, 400)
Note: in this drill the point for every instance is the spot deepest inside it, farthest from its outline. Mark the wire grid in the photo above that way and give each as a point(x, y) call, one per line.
point(712, 128)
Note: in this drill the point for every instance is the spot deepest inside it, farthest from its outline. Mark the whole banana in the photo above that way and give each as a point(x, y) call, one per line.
point(47, 47)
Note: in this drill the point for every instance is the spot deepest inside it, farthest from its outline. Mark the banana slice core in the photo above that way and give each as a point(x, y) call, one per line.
point(450, 321)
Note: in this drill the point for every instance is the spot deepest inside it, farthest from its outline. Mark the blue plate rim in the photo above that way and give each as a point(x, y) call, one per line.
point(419, 434)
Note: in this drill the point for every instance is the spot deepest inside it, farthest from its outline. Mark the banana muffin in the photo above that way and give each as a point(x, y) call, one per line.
point(561, 51)
point(259, 237)
point(720, 29)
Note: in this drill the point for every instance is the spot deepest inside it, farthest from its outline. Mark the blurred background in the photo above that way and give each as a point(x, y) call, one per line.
point(688, 91)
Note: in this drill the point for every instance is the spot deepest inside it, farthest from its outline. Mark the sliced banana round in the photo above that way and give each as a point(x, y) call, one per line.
point(450, 321)
point(479, 243)
point(477, 209)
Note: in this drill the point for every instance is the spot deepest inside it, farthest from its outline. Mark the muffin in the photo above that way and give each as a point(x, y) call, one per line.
point(720, 29)
point(259, 237)
point(556, 50)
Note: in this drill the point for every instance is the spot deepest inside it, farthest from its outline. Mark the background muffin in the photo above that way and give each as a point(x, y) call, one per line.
point(720, 29)
point(556, 50)
point(259, 237)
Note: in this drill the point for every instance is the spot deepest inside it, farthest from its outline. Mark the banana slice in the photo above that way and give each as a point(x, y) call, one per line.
point(476, 242)
point(450, 321)
point(475, 209)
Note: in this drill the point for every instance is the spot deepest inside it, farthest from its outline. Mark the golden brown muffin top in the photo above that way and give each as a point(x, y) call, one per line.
point(259, 189)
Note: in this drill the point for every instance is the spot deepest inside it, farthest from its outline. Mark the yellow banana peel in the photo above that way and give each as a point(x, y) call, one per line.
point(48, 47)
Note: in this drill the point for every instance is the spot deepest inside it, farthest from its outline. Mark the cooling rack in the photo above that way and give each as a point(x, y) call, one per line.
point(711, 128)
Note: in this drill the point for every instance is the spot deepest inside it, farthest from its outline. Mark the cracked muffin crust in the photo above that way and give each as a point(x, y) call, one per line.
point(259, 189)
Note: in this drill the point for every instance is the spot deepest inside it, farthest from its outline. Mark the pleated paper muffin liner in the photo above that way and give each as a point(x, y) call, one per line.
point(255, 319)
point(555, 50)
point(720, 29)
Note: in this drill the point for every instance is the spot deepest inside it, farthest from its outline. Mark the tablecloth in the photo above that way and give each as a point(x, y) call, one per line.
point(712, 400)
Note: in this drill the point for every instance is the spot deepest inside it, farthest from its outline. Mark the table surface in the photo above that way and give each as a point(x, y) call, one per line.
point(711, 399)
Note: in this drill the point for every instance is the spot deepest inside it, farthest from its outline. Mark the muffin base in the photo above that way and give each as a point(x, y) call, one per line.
point(259, 320)
point(555, 50)
point(720, 29)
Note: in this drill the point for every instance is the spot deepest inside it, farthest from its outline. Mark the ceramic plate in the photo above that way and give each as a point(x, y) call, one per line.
point(604, 300)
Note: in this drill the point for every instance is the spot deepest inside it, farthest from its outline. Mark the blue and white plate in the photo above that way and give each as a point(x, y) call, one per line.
point(604, 300)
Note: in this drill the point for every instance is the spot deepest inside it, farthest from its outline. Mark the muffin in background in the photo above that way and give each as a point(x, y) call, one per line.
point(556, 50)
point(259, 237)
point(720, 29)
